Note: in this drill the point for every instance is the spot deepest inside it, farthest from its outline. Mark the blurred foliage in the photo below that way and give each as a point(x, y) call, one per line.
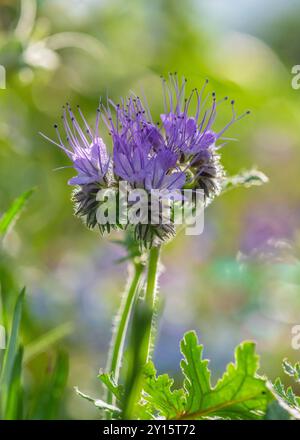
point(17, 402)
point(240, 278)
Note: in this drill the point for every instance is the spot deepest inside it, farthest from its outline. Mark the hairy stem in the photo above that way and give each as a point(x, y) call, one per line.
point(141, 338)
point(150, 299)
point(118, 339)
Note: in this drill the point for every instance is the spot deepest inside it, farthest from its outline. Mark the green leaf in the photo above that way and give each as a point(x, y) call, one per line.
point(286, 398)
point(57, 385)
point(13, 339)
point(100, 404)
point(50, 338)
point(108, 381)
point(49, 398)
point(292, 370)
point(239, 394)
point(14, 406)
point(11, 351)
point(9, 218)
point(197, 375)
point(159, 395)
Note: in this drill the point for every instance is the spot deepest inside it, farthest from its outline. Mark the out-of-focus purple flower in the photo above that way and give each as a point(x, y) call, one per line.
point(269, 232)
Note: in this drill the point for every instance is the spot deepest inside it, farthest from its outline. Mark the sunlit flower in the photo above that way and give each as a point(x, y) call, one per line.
point(181, 151)
point(140, 153)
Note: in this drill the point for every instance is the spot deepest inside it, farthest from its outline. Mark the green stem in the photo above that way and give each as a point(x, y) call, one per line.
point(150, 300)
point(117, 345)
point(141, 338)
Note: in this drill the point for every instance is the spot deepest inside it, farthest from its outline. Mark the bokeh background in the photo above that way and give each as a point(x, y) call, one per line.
point(240, 278)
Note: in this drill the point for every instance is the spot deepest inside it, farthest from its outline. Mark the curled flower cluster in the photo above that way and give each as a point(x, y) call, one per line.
point(179, 152)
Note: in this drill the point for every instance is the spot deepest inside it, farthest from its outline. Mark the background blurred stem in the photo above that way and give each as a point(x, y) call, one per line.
point(122, 320)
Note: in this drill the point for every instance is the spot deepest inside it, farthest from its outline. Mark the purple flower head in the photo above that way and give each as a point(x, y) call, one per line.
point(159, 176)
point(91, 164)
point(84, 147)
point(187, 131)
point(178, 152)
point(157, 156)
point(140, 153)
point(192, 134)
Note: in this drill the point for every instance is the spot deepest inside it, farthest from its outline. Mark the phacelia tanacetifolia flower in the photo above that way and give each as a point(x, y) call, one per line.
point(182, 151)
point(192, 136)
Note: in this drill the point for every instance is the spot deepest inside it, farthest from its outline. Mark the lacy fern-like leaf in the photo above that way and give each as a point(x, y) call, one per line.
point(159, 395)
point(286, 396)
point(239, 394)
point(292, 370)
point(197, 375)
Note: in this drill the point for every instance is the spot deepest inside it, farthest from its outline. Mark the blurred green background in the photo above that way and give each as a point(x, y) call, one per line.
point(240, 278)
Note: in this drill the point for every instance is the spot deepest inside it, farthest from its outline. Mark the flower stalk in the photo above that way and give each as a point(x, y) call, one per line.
point(150, 298)
point(140, 343)
point(122, 320)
